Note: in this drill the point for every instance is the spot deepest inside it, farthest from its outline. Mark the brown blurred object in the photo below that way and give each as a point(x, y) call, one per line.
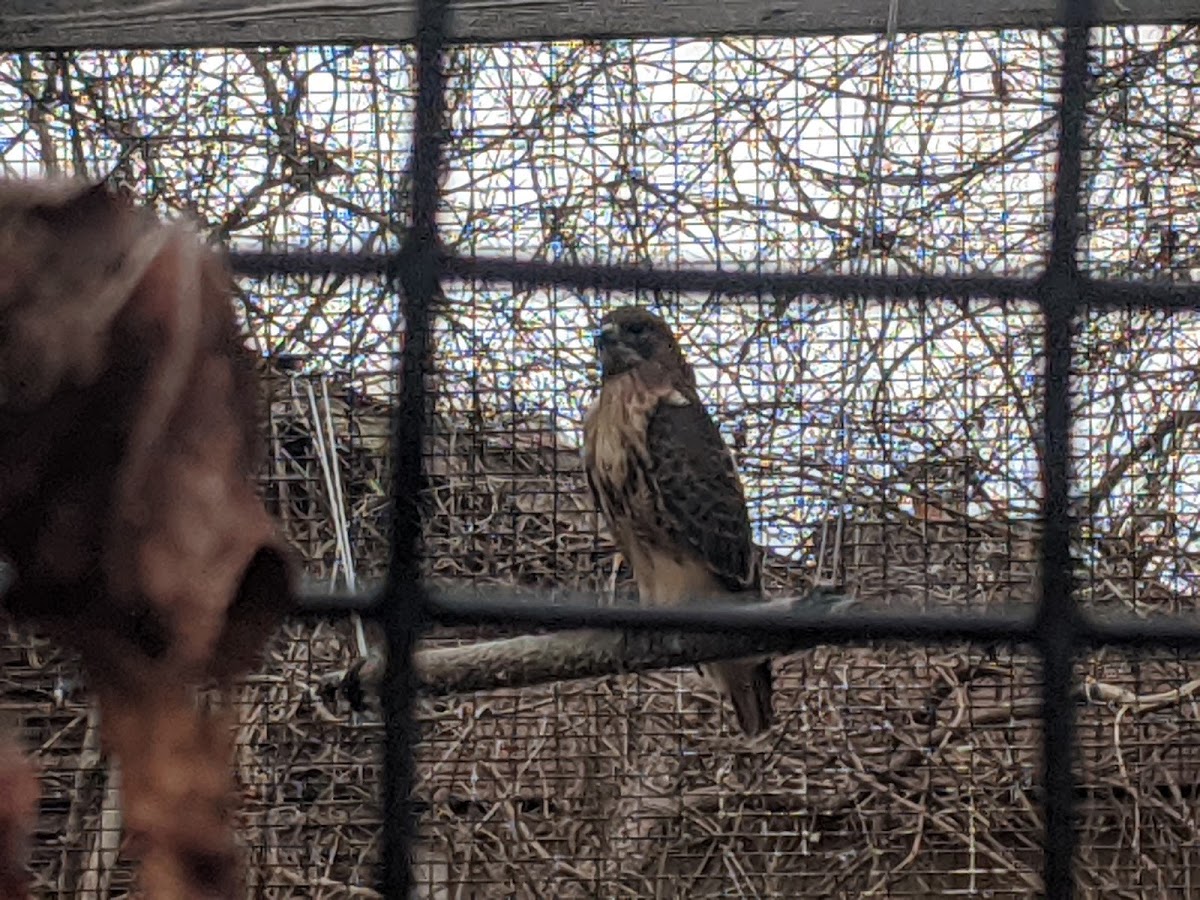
point(19, 792)
point(128, 443)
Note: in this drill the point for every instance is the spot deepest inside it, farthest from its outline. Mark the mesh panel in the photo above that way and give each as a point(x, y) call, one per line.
point(894, 447)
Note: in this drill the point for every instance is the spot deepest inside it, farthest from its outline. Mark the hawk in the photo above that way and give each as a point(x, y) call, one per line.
point(667, 485)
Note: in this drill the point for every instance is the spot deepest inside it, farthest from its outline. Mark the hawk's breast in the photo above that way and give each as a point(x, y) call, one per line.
point(617, 455)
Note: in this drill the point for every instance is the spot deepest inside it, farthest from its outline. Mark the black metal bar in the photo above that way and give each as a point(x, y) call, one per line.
point(313, 605)
point(748, 284)
point(628, 278)
point(1169, 634)
point(1057, 626)
point(311, 262)
point(1102, 293)
point(501, 605)
point(1166, 297)
point(1058, 619)
point(418, 272)
point(1097, 293)
point(809, 628)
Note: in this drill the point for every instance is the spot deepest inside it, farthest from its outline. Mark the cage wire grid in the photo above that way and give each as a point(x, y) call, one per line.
point(1057, 627)
point(408, 605)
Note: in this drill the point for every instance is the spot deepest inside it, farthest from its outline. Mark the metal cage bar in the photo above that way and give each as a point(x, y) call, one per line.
point(1095, 293)
point(1060, 296)
point(417, 271)
point(498, 605)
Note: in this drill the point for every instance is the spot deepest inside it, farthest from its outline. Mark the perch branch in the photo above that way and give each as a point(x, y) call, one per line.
point(567, 655)
point(1094, 691)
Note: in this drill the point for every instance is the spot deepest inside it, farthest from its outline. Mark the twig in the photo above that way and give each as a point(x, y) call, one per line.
point(106, 843)
point(1138, 703)
point(1177, 421)
point(326, 443)
point(90, 761)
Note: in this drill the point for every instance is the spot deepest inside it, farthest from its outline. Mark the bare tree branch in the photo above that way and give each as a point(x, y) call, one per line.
point(1177, 421)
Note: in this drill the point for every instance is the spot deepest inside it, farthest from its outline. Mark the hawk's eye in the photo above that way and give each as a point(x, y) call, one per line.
point(636, 328)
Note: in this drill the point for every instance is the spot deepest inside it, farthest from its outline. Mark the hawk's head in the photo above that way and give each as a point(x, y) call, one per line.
point(630, 336)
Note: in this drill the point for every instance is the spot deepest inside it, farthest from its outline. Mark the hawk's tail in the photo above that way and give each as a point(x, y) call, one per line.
point(748, 687)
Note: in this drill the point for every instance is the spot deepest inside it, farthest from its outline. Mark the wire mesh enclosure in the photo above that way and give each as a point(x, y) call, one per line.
point(893, 262)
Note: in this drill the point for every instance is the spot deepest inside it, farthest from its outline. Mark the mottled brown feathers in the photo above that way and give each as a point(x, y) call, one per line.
point(699, 489)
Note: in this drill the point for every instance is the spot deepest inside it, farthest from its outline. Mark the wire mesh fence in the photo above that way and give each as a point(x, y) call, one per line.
point(914, 453)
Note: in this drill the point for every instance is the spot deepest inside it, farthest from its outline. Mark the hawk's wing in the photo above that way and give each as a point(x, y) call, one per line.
point(698, 492)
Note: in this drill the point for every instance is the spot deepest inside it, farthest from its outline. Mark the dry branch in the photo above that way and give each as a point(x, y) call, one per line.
point(1169, 425)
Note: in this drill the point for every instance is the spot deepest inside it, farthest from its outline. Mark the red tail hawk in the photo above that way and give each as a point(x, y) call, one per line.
point(668, 487)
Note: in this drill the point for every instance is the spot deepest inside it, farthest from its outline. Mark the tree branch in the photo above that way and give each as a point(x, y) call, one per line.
point(1177, 421)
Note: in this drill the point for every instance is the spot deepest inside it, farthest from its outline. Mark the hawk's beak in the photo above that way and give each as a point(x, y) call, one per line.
point(605, 336)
